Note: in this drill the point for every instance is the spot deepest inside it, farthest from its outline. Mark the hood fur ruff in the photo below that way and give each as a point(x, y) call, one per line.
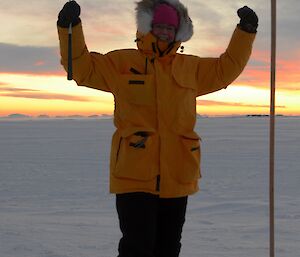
point(144, 16)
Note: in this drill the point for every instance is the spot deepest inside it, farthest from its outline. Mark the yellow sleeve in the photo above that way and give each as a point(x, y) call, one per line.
point(90, 69)
point(216, 73)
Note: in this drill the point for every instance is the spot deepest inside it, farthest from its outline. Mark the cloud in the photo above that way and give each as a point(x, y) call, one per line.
point(11, 89)
point(37, 94)
point(220, 103)
point(29, 59)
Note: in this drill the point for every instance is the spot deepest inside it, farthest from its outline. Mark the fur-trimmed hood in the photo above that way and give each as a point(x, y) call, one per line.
point(144, 16)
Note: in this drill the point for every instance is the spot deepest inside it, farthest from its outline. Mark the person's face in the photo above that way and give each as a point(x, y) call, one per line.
point(164, 32)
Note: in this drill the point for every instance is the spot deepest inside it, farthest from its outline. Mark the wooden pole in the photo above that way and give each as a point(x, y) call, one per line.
point(272, 127)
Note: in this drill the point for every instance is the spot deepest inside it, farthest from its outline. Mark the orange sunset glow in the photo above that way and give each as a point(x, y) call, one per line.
point(32, 81)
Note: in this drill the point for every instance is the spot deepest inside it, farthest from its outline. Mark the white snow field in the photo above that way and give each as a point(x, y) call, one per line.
point(54, 199)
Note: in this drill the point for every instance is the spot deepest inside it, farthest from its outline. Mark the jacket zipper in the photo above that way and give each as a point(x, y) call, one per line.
point(158, 183)
point(157, 120)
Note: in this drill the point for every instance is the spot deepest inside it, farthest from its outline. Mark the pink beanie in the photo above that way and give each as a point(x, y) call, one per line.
point(165, 14)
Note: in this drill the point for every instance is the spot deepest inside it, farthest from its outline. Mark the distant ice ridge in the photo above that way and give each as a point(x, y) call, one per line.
point(18, 116)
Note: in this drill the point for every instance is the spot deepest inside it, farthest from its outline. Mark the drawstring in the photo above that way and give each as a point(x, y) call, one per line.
point(146, 65)
point(169, 48)
point(161, 53)
point(154, 52)
point(165, 52)
point(153, 47)
point(156, 49)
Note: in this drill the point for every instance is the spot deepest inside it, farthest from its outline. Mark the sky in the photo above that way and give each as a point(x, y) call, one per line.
point(33, 82)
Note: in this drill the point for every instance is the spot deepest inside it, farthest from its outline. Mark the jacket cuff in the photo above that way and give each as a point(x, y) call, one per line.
point(64, 24)
point(78, 41)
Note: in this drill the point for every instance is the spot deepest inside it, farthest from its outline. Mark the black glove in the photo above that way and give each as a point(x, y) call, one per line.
point(69, 14)
point(249, 19)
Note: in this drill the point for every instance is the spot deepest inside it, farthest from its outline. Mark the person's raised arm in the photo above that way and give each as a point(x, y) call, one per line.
point(89, 69)
point(217, 73)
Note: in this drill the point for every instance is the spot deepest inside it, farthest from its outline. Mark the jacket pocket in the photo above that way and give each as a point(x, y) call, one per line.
point(137, 89)
point(191, 151)
point(137, 156)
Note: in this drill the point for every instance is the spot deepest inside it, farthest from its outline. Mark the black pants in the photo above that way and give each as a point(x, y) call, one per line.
point(151, 226)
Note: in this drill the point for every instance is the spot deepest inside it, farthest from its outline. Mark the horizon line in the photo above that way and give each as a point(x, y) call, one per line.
point(103, 115)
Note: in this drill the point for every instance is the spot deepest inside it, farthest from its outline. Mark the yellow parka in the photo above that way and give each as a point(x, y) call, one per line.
point(155, 148)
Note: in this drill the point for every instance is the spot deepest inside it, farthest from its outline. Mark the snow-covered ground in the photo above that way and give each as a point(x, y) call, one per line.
point(54, 199)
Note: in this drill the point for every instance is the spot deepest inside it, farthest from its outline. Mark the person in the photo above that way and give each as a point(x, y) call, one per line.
point(155, 152)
